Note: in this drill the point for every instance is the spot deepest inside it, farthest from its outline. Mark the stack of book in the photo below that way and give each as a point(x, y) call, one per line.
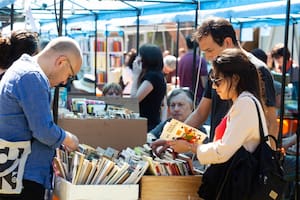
point(88, 108)
point(98, 166)
point(168, 164)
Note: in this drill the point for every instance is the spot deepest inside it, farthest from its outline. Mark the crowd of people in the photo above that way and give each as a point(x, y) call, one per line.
point(223, 96)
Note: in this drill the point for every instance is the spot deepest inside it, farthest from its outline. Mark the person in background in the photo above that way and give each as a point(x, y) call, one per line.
point(126, 77)
point(234, 78)
point(187, 70)
point(149, 85)
point(5, 49)
point(260, 54)
point(181, 52)
point(25, 111)
point(292, 69)
point(112, 90)
point(11, 48)
point(180, 106)
point(169, 67)
point(166, 53)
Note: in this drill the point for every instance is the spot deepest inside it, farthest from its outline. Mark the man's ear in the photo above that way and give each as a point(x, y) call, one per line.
point(59, 61)
point(228, 42)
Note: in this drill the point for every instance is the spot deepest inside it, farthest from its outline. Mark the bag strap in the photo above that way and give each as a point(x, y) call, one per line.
point(261, 130)
point(263, 138)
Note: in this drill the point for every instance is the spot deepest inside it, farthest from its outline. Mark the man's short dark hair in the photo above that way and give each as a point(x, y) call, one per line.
point(218, 28)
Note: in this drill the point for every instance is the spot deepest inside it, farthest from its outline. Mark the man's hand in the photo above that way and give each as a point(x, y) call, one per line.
point(71, 142)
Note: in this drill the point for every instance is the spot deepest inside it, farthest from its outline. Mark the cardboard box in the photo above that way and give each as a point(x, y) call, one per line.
point(116, 133)
point(128, 102)
point(64, 190)
point(170, 187)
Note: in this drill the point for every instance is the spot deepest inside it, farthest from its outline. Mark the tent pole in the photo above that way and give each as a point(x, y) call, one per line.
point(106, 53)
point(177, 53)
point(56, 90)
point(284, 74)
point(138, 13)
point(12, 17)
point(194, 77)
point(95, 53)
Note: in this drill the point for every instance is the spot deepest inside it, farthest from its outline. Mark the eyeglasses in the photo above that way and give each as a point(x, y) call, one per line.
point(216, 81)
point(72, 77)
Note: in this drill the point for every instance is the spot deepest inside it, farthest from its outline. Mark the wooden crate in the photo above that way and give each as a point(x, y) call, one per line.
point(170, 187)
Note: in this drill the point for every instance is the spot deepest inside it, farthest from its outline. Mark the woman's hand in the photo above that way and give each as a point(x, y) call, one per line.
point(181, 146)
point(137, 66)
point(159, 147)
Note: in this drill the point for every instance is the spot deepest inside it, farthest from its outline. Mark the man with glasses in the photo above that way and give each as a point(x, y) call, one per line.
point(25, 113)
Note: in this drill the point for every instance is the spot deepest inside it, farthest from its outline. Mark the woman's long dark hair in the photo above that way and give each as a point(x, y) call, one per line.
point(152, 59)
point(234, 62)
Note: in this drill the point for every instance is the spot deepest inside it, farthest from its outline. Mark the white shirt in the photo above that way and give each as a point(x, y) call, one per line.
point(242, 129)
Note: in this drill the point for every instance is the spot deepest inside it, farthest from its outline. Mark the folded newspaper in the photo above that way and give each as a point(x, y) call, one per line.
point(178, 130)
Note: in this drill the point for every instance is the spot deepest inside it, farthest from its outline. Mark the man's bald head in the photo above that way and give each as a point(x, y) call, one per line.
point(64, 46)
point(61, 56)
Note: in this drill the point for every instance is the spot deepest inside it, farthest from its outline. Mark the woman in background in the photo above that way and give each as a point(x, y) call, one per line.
point(149, 85)
point(11, 48)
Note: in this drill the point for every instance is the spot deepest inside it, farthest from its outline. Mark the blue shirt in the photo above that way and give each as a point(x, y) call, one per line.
point(25, 114)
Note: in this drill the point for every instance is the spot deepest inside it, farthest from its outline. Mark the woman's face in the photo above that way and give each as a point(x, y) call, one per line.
point(180, 107)
point(225, 87)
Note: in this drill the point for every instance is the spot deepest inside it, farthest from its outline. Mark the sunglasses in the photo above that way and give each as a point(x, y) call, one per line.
point(216, 81)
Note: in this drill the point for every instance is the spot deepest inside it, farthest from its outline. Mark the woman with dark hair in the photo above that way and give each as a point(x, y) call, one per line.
point(11, 48)
point(234, 78)
point(149, 85)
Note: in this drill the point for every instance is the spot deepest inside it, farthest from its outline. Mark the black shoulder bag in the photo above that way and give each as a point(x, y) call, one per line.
point(246, 176)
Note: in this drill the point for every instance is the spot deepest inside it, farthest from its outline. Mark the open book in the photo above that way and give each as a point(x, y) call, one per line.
point(178, 130)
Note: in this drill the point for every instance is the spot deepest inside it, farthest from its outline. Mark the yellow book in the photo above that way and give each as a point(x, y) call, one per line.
point(178, 130)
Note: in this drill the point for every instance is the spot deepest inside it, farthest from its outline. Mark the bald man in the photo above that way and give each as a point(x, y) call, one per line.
point(25, 115)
